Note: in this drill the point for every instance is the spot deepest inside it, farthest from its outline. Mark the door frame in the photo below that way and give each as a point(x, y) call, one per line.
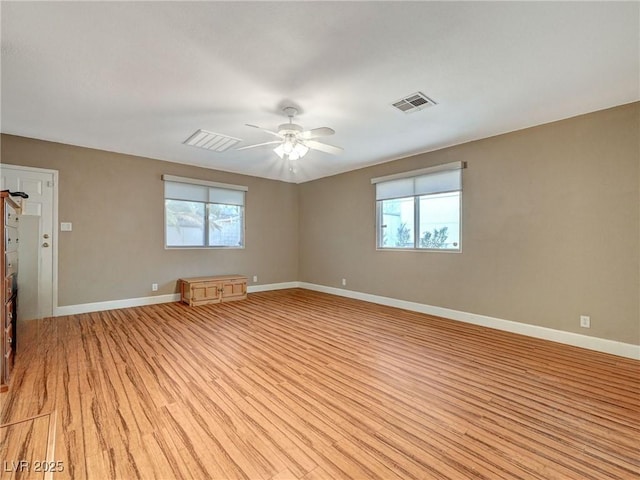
point(54, 230)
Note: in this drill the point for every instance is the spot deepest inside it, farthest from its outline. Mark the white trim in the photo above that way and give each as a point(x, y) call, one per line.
point(569, 338)
point(56, 239)
point(207, 183)
point(153, 300)
point(421, 171)
point(272, 286)
point(54, 228)
point(113, 304)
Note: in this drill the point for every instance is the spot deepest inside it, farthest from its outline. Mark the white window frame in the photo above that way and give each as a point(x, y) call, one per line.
point(232, 190)
point(406, 185)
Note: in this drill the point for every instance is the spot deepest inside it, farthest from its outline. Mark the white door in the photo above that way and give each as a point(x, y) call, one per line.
point(39, 184)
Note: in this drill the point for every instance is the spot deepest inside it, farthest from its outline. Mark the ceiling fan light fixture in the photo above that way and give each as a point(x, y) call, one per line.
point(295, 142)
point(293, 150)
point(301, 149)
point(288, 146)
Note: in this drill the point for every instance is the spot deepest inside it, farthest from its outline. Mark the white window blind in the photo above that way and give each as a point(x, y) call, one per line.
point(420, 209)
point(180, 188)
point(203, 214)
point(438, 179)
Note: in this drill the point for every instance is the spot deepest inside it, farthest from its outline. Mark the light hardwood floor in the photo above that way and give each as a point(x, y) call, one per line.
point(296, 384)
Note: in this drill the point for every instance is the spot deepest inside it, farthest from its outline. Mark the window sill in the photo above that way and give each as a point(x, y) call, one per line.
point(422, 250)
point(203, 248)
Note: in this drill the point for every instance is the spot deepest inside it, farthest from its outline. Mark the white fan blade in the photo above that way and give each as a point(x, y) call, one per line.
point(317, 132)
point(323, 147)
point(264, 130)
point(259, 145)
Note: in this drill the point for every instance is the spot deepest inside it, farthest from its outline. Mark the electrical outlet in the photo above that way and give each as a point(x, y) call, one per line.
point(154, 287)
point(585, 321)
point(344, 282)
point(255, 278)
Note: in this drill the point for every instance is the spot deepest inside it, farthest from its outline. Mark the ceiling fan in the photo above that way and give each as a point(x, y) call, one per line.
point(293, 142)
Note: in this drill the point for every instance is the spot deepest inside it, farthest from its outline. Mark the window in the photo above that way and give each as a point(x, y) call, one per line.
point(203, 214)
point(420, 209)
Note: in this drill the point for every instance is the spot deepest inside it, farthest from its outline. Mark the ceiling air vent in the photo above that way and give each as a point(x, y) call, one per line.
point(414, 102)
point(211, 141)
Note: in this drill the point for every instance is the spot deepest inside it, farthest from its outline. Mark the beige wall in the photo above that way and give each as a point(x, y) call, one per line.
point(115, 202)
point(550, 229)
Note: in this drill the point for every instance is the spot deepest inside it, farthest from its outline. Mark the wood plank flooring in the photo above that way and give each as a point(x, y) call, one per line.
point(27, 448)
point(295, 384)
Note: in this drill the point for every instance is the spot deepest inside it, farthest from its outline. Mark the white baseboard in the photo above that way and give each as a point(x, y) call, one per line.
point(141, 301)
point(113, 304)
point(592, 343)
point(272, 286)
point(569, 338)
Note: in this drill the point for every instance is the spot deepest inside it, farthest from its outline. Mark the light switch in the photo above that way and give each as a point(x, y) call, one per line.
point(66, 226)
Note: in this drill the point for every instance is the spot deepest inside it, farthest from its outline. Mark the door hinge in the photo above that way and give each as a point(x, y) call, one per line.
point(50, 183)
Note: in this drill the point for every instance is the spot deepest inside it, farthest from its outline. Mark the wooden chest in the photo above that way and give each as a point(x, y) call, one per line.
point(221, 288)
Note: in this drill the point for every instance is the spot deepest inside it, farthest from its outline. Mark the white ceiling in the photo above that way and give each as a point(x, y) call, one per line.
point(141, 77)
